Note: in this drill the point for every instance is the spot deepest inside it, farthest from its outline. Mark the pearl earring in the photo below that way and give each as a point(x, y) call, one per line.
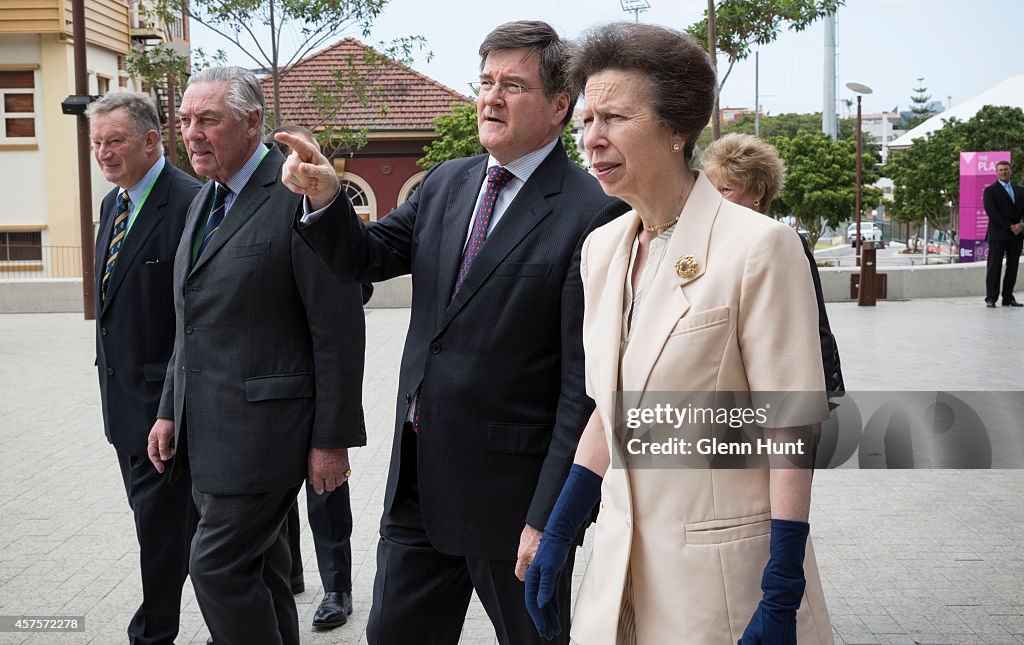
point(676, 147)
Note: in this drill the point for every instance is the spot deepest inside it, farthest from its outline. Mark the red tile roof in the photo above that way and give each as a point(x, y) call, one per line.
point(413, 99)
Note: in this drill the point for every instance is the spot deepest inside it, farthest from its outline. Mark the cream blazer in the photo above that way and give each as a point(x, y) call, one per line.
point(693, 543)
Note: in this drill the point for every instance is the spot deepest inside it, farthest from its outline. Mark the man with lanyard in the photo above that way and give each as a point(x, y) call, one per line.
point(141, 221)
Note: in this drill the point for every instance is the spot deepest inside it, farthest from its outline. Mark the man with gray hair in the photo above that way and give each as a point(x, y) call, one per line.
point(264, 387)
point(141, 221)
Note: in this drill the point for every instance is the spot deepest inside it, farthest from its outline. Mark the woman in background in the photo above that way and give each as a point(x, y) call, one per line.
point(748, 171)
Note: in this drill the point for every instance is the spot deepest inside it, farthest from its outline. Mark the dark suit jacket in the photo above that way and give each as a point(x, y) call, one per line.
point(135, 323)
point(268, 348)
point(1002, 212)
point(499, 368)
point(829, 349)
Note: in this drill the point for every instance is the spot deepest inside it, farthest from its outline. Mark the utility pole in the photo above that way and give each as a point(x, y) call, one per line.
point(828, 104)
point(716, 126)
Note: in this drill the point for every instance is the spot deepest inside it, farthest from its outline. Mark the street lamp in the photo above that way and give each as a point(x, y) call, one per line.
point(860, 89)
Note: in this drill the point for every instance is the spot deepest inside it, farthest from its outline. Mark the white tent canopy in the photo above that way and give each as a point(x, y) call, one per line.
point(1008, 93)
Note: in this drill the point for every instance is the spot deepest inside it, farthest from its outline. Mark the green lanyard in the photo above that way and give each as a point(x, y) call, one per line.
point(138, 207)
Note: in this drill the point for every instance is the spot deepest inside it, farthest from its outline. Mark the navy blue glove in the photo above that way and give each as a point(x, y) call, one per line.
point(581, 491)
point(774, 620)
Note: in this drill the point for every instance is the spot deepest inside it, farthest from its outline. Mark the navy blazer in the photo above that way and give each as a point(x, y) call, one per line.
point(1002, 212)
point(135, 323)
point(499, 368)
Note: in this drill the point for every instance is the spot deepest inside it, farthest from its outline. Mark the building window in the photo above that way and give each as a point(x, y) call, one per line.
point(102, 84)
point(17, 106)
point(361, 195)
point(410, 186)
point(21, 247)
point(355, 194)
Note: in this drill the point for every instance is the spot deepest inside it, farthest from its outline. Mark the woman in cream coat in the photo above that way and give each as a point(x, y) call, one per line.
point(686, 293)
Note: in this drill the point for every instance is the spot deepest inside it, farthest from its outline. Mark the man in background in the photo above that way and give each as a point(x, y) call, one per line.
point(330, 513)
point(141, 221)
point(1004, 205)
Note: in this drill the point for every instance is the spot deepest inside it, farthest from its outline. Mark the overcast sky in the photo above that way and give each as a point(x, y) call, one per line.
point(961, 47)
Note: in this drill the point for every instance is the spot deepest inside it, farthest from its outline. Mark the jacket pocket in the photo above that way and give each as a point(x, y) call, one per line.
point(729, 530)
point(519, 438)
point(246, 250)
point(154, 372)
point(279, 386)
point(701, 320)
point(522, 270)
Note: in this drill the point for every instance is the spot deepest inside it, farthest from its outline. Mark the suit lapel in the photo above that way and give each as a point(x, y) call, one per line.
point(666, 302)
point(107, 216)
point(527, 210)
point(201, 204)
point(607, 339)
point(147, 220)
point(457, 213)
point(247, 202)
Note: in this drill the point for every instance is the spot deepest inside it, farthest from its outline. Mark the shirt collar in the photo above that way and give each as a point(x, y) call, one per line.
point(524, 166)
point(238, 181)
point(138, 191)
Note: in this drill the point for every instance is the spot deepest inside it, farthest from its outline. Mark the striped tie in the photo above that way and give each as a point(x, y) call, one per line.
point(220, 193)
point(120, 227)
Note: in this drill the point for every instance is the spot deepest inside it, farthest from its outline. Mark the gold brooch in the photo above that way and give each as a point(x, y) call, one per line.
point(686, 266)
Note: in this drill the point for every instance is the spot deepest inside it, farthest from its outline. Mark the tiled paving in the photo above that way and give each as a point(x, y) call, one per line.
point(906, 556)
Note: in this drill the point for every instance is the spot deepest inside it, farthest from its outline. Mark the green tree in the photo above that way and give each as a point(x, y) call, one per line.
point(920, 106)
point(359, 82)
point(162, 66)
point(780, 125)
point(821, 181)
point(457, 137)
point(743, 24)
point(926, 176)
point(256, 27)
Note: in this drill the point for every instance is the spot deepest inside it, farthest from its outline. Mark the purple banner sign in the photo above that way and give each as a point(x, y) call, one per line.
point(977, 170)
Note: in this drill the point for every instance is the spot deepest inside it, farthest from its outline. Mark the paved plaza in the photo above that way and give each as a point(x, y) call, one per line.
point(923, 556)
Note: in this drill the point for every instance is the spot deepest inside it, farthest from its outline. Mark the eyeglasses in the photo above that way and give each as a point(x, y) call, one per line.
point(515, 89)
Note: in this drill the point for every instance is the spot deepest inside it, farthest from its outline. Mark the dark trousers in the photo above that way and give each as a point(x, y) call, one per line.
point(330, 521)
point(165, 520)
point(240, 568)
point(420, 595)
point(997, 249)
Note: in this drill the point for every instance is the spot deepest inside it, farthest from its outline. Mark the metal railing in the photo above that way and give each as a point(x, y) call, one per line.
point(40, 262)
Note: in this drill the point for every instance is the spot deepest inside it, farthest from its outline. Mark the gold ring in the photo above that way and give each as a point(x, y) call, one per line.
point(348, 474)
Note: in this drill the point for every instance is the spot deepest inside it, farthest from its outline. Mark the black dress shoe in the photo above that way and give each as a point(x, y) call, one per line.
point(1012, 303)
point(298, 584)
point(989, 303)
point(333, 611)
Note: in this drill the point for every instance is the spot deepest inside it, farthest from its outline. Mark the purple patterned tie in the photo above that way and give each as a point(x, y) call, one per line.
point(497, 177)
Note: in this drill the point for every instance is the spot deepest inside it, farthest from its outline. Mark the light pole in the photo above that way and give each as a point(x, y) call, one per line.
point(860, 90)
point(636, 7)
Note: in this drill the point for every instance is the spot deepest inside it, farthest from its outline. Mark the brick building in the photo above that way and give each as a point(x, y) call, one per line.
point(382, 174)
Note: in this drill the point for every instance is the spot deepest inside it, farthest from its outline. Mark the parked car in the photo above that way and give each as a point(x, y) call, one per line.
point(869, 232)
